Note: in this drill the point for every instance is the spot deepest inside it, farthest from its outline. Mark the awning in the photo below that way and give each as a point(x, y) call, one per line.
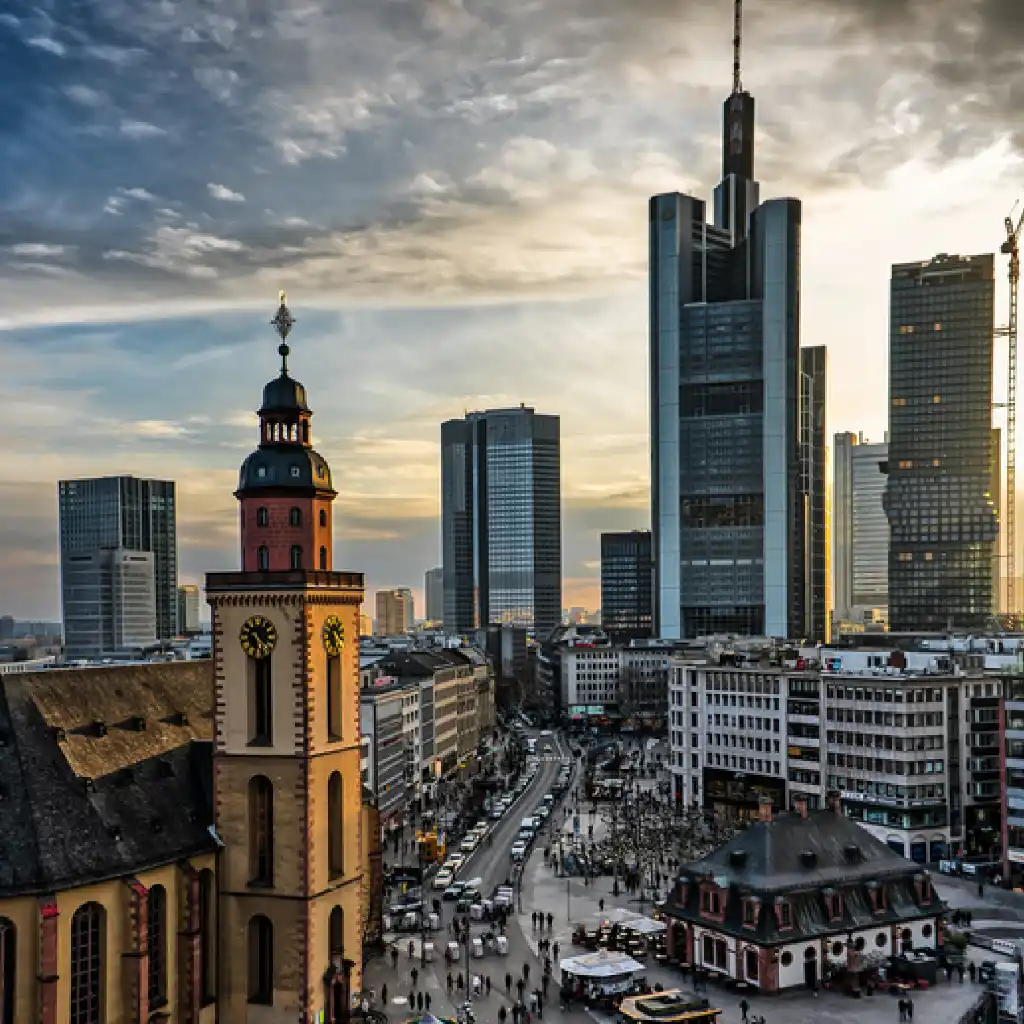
point(602, 964)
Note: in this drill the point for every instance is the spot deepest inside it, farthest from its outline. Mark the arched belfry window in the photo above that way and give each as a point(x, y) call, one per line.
point(261, 701)
point(87, 965)
point(263, 558)
point(156, 927)
point(261, 831)
point(8, 952)
point(261, 960)
point(323, 517)
point(305, 432)
point(296, 556)
point(335, 826)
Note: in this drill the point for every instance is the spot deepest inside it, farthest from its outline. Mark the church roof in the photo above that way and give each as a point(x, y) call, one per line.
point(289, 467)
point(104, 772)
point(284, 394)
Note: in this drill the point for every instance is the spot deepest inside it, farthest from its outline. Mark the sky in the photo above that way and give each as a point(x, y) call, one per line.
point(454, 194)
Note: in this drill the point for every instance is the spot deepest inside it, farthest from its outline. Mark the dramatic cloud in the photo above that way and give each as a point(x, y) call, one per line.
point(467, 181)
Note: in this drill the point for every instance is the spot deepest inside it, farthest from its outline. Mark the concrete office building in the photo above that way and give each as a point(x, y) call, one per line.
point(627, 585)
point(188, 609)
point(860, 531)
point(393, 612)
point(729, 394)
point(942, 514)
point(433, 594)
point(501, 520)
point(111, 514)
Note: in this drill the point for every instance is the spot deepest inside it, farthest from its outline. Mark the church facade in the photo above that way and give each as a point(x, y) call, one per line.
point(189, 841)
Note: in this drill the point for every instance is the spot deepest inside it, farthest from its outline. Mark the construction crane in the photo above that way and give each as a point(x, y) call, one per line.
point(1010, 248)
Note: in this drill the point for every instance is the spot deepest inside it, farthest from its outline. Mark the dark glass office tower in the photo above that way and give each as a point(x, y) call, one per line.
point(122, 512)
point(501, 520)
point(734, 407)
point(939, 501)
point(627, 585)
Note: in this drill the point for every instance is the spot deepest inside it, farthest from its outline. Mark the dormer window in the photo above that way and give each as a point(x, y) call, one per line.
point(711, 902)
point(295, 471)
point(751, 905)
point(784, 913)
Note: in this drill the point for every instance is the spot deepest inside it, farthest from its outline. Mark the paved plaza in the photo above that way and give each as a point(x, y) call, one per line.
point(571, 901)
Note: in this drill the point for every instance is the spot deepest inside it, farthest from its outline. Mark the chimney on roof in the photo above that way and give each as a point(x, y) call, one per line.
point(800, 806)
point(764, 808)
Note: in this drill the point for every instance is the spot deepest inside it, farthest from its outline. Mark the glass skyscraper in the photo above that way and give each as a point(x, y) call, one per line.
point(860, 534)
point(733, 406)
point(115, 514)
point(501, 520)
point(627, 585)
point(943, 527)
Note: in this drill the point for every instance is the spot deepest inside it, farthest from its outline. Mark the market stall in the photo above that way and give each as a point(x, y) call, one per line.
point(599, 976)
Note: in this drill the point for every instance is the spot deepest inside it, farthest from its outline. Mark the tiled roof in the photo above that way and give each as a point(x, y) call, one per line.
point(103, 772)
point(799, 860)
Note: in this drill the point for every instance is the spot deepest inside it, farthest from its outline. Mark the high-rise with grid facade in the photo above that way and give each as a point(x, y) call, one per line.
point(939, 499)
point(501, 525)
point(106, 515)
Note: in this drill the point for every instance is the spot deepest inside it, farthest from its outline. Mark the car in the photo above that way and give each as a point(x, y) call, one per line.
point(546, 732)
point(518, 851)
point(454, 891)
point(468, 845)
point(443, 879)
point(456, 861)
point(497, 812)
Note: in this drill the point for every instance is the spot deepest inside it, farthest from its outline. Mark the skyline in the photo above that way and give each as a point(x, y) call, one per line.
point(169, 170)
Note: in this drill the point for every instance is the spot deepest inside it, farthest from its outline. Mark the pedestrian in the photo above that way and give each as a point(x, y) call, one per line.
point(526, 972)
point(910, 1009)
point(458, 981)
point(508, 982)
point(533, 919)
point(487, 981)
point(502, 1014)
point(972, 971)
point(744, 1010)
point(394, 957)
point(554, 949)
point(544, 982)
point(426, 1001)
point(414, 974)
point(903, 1009)
point(412, 1000)
point(451, 981)
point(600, 905)
point(419, 1001)
point(520, 985)
point(551, 920)
point(960, 971)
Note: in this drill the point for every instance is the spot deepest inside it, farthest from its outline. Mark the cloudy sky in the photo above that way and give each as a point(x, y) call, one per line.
point(454, 194)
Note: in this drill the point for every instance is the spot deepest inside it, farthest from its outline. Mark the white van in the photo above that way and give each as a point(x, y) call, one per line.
point(530, 823)
point(443, 879)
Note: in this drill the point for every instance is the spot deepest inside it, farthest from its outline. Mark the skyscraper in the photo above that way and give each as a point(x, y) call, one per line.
point(501, 520)
point(433, 589)
point(394, 611)
point(728, 408)
point(860, 530)
point(627, 585)
point(115, 514)
point(817, 573)
point(941, 510)
point(188, 608)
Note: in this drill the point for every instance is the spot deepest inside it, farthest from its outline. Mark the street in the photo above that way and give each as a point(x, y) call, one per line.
point(571, 901)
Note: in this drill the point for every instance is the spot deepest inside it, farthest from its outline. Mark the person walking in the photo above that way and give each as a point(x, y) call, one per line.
point(384, 995)
point(902, 1004)
point(551, 920)
point(502, 1014)
point(414, 974)
point(745, 1010)
point(487, 982)
point(508, 982)
point(419, 1002)
point(910, 1009)
point(526, 972)
point(972, 971)
point(451, 981)
point(426, 1001)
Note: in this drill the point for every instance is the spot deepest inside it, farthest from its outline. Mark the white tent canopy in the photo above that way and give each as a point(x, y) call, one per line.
point(603, 964)
point(630, 920)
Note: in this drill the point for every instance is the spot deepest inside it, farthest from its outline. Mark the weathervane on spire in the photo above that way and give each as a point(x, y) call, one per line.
point(283, 323)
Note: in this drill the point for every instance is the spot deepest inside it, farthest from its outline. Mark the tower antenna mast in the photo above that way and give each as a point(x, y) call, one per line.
point(737, 46)
point(1011, 248)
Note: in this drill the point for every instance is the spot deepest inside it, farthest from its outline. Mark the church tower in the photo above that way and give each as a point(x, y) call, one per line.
point(287, 787)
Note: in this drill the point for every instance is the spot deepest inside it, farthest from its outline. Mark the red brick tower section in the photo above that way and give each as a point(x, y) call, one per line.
point(284, 488)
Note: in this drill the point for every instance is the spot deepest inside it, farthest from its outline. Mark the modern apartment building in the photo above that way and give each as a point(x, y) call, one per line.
point(501, 520)
point(860, 530)
point(943, 525)
point(906, 740)
point(107, 514)
point(734, 405)
point(433, 594)
point(627, 585)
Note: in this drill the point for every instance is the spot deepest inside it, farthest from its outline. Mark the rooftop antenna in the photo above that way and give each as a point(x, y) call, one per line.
point(737, 46)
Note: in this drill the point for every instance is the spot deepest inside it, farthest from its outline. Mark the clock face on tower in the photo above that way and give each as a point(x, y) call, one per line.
point(258, 637)
point(334, 636)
